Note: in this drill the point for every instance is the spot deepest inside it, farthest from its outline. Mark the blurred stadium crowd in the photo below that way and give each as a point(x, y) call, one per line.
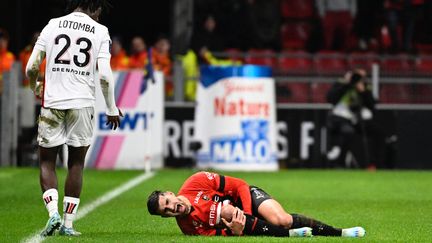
point(294, 37)
point(310, 44)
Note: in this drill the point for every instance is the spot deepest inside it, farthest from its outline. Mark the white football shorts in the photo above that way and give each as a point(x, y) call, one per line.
point(73, 127)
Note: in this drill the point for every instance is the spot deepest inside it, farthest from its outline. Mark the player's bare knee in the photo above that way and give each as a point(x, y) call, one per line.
point(284, 220)
point(227, 211)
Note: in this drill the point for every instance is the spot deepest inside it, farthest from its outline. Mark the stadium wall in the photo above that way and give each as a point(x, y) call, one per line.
point(302, 137)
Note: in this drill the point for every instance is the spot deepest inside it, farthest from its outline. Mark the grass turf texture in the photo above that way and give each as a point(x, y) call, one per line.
point(393, 206)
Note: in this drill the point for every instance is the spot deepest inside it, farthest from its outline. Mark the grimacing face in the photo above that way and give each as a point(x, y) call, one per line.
point(171, 206)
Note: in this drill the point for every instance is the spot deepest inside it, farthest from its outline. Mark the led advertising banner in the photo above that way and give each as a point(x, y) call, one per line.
point(235, 119)
point(138, 142)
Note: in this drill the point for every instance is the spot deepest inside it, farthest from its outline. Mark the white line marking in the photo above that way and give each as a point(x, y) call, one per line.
point(88, 208)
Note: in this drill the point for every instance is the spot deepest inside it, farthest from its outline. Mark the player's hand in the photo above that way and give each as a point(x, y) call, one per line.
point(360, 86)
point(114, 121)
point(237, 223)
point(38, 91)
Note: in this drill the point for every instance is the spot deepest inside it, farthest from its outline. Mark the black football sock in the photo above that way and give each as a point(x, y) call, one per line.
point(318, 228)
point(256, 226)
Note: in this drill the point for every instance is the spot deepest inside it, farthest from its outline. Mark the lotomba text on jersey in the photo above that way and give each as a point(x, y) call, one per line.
point(76, 26)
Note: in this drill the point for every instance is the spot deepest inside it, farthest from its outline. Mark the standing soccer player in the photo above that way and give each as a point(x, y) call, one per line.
point(74, 46)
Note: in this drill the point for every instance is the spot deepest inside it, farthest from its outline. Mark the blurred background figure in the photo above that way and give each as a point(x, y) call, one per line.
point(367, 24)
point(337, 21)
point(207, 35)
point(119, 58)
point(162, 61)
point(25, 55)
point(401, 16)
point(139, 56)
point(6, 57)
point(353, 116)
point(263, 23)
point(30, 111)
point(161, 56)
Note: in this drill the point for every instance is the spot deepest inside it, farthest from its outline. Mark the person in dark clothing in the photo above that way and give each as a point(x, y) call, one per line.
point(208, 36)
point(263, 24)
point(351, 118)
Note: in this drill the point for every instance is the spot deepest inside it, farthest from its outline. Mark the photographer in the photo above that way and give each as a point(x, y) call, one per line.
point(351, 121)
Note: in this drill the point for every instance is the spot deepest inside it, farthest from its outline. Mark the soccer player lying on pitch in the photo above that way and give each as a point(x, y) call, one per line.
point(212, 204)
point(75, 45)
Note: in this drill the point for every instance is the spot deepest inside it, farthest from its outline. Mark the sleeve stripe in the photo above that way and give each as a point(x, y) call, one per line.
point(221, 184)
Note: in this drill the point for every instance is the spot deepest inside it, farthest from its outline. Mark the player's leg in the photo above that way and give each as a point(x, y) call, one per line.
point(47, 166)
point(79, 127)
point(73, 186)
point(51, 134)
point(320, 228)
point(48, 182)
point(74, 178)
point(256, 226)
point(271, 211)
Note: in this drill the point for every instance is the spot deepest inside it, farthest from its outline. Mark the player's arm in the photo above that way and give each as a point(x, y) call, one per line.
point(239, 188)
point(32, 70)
point(107, 86)
point(225, 184)
point(107, 81)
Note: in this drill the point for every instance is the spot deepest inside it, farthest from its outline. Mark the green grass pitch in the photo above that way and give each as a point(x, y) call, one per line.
point(393, 206)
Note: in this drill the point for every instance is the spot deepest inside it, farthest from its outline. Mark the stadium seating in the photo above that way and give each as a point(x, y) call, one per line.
point(295, 35)
point(319, 92)
point(423, 93)
point(424, 48)
point(397, 65)
point(362, 60)
point(261, 57)
point(295, 62)
point(423, 65)
point(234, 54)
point(330, 63)
point(297, 8)
point(396, 93)
point(295, 92)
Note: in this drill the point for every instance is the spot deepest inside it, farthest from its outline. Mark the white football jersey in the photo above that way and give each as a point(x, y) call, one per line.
point(72, 44)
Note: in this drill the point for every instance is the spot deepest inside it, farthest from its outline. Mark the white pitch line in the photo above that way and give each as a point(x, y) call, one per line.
point(88, 208)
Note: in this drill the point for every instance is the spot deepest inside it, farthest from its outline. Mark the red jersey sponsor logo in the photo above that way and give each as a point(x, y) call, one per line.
point(212, 215)
point(210, 176)
point(198, 197)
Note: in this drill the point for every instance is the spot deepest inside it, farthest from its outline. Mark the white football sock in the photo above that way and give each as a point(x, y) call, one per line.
point(50, 198)
point(70, 207)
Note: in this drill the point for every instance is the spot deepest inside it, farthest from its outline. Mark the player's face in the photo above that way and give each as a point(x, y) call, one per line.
point(171, 206)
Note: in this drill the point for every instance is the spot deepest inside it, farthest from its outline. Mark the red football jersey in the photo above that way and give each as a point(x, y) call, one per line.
point(207, 192)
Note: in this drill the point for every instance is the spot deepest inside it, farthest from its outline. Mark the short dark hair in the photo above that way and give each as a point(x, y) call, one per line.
point(91, 5)
point(153, 202)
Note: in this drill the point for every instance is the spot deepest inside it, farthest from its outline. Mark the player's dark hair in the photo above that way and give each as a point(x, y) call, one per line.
point(153, 202)
point(91, 5)
point(355, 78)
